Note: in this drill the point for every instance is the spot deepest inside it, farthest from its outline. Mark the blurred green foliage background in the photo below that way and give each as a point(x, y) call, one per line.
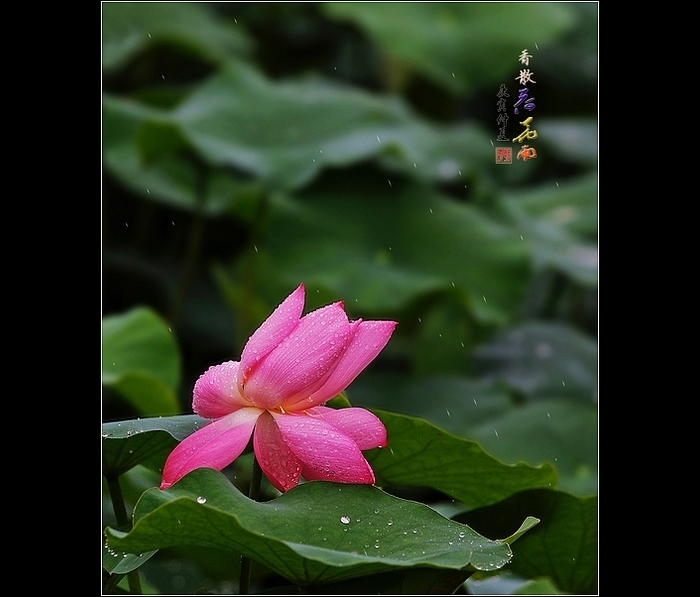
point(249, 147)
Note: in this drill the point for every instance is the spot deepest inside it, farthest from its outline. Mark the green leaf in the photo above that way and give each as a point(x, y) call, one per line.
point(315, 533)
point(281, 133)
point(286, 132)
point(423, 455)
point(562, 547)
point(560, 431)
point(459, 45)
point(141, 361)
point(128, 443)
point(384, 250)
point(528, 523)
point(542, 360)
point(129, 28)
point(559, 224)
point(122, 563)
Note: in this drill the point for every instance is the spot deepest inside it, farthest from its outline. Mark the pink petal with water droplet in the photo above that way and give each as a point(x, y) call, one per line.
point(369, 339)
point(215, 445)
point(325, 452)
point(363, 427)
point(276, 460)
point(299, 364)
point(283, 320)
point(216, 391)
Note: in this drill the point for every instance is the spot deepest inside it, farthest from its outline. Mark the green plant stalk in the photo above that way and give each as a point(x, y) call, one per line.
point(246, 562)
point(115, 494)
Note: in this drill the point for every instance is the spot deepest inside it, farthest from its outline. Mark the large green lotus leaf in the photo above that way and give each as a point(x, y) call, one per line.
point(130, 27)
point(281, 133)
point(147, 154)
point(315, 533)
point(571, 205)
point(422, 455)
point(557, 430)
point(559, 224)
point(141, 361)
point(383, 248)
point(542, 360)
point(128, 443)
point(285, 132)
point(573, 139)
point(560, 431)
point(460, 45)
point(562, 547)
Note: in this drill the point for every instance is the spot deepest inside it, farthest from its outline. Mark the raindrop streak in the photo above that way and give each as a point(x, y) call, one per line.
point(345, 519)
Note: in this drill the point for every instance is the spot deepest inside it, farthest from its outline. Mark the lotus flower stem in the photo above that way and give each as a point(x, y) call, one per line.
point(115, 494)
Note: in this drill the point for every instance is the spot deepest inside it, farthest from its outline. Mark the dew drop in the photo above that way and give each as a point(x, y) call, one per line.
point(201, 500)
point(345, 519)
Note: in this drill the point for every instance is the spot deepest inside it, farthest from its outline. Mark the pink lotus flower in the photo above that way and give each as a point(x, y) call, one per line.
point(290, 366)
